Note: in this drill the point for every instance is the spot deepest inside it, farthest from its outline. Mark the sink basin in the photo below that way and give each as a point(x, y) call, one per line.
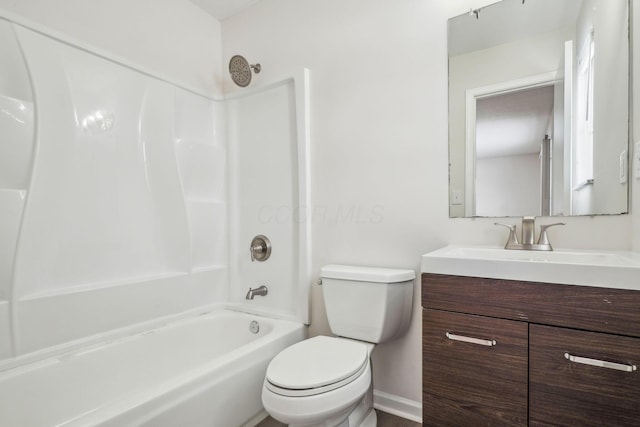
point(575, 267)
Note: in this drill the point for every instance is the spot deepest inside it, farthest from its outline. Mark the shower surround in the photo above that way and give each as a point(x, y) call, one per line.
point(129, 201)
point(121, 193)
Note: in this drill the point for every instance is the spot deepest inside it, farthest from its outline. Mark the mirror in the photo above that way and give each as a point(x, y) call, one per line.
point(539, 109)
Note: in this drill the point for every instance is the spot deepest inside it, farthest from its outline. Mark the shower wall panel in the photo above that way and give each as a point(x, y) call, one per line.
point(262, 131)
point(201, 161)
point(268, 195)
point(121, 212)
point(16, 152)
point(6, 348)
point(16, 120)
point(105, 189)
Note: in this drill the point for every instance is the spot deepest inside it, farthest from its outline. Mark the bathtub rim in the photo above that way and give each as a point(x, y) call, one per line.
point(46, 355)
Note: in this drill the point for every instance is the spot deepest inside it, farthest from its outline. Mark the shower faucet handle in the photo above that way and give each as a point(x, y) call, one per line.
point(260, 248)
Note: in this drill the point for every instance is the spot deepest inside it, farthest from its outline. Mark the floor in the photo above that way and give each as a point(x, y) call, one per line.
point(384, 420)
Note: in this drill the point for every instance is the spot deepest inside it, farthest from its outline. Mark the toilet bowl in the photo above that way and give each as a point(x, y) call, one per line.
point(317, 382)
point(326, 381)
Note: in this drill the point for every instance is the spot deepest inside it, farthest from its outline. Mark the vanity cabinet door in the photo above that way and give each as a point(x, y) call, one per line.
point(580, 378)
point(474, 370)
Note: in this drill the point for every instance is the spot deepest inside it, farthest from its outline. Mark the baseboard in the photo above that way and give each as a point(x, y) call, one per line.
point(257, 419)
point(396, 405)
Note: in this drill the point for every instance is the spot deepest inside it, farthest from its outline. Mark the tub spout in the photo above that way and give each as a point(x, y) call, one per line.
point(262, 291)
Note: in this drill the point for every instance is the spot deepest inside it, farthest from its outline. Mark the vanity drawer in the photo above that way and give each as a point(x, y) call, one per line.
point(481, 381)
point(591, 308)
point(574, 392)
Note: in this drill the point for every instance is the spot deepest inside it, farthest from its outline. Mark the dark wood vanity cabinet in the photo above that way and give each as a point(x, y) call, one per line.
point(479, 384)
point(510, 353)
point(566, 393)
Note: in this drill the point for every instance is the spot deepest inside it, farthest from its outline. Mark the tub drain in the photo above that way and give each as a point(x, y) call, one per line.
point(254, 327)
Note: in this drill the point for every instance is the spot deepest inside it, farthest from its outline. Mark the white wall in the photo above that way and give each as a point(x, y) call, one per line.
point(173, 38)
point(379, 143)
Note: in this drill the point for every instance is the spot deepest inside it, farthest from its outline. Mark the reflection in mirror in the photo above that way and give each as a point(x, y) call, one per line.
point(508, 142)
point(538, 108)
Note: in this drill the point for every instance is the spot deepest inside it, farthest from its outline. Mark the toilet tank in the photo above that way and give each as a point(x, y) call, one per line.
point(367, 303)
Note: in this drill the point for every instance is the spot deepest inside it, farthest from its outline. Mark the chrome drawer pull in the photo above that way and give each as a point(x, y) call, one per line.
point(600, 363)
point(488, 343)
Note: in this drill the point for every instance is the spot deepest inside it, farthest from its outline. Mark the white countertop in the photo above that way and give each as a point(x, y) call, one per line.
point(608, 269)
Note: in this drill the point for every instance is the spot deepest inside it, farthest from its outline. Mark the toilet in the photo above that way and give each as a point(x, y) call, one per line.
point(326, 381)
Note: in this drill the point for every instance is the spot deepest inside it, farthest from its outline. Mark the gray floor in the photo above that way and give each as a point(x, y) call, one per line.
point(384, 420)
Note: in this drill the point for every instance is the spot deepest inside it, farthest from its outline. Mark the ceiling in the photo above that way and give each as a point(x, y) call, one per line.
point(222, 9)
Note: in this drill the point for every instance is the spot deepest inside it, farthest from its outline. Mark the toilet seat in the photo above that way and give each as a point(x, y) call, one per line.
point(316, 366)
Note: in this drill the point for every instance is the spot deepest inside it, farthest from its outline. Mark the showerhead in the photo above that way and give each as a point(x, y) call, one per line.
point(240, 70)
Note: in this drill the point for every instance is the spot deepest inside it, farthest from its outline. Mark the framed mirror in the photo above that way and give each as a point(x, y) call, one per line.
point(539, 109)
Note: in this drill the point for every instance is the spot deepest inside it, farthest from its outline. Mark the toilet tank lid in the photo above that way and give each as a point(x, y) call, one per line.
point(366, 274)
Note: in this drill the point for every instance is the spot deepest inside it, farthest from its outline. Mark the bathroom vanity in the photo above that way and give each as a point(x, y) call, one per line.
point(503, 352)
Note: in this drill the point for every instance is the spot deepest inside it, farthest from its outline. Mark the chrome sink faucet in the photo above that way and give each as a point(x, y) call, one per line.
point(528, 235)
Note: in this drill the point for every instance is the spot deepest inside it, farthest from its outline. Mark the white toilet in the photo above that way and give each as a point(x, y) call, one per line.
point(326, 381)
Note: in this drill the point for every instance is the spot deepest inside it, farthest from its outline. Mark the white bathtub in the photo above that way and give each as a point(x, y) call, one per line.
point(201, 371)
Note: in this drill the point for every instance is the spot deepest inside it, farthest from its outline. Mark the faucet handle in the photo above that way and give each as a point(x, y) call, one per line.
point(513, 237)
point(544, 239)
point(260, 248)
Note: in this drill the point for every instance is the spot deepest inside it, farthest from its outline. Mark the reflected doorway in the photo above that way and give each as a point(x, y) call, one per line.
point(513, 151)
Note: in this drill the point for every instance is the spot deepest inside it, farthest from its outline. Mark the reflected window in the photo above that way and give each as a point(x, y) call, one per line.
point(584, 109)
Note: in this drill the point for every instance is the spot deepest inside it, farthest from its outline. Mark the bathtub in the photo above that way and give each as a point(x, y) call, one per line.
point(205, 370)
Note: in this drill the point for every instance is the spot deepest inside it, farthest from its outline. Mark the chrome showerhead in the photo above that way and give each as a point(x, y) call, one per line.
point(240, 70)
